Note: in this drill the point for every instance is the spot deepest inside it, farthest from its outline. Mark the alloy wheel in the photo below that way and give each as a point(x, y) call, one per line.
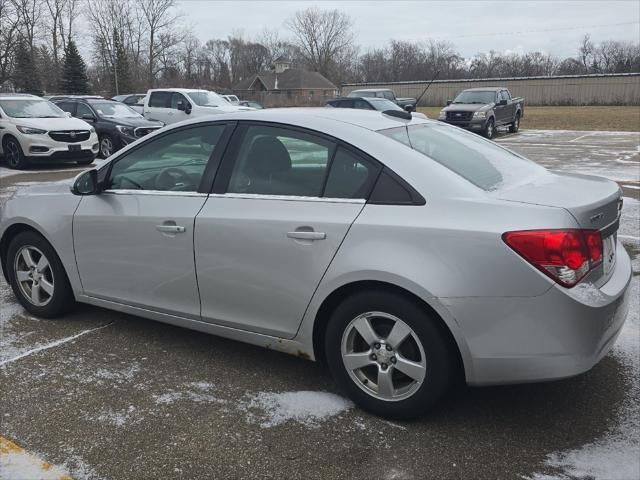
point(106, 147)
point(34, 275)
point(383, 356)
point(12, 153)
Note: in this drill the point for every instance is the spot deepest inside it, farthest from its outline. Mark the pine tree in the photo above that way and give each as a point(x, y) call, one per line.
point(25, 75)
point(122, 72)
point(74, 71)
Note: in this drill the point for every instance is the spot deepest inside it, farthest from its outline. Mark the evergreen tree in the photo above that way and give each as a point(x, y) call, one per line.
point(122, 69)
point(74, 71)
point(25, 75)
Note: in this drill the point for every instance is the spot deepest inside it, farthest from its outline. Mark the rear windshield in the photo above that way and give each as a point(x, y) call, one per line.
point(474, 158)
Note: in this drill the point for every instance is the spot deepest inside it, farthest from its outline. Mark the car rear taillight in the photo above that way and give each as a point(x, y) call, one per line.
point(564, 255)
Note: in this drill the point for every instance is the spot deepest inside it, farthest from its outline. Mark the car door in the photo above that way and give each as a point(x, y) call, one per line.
point(177, 115)
point(134, 241)
point(159, 107)
point(265, 238)
point(501, 111)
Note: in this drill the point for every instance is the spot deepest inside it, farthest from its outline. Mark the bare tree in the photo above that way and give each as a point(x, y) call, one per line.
point(585, 51)
point(30, 16)
point(9, 30)
point(160, 23)
point(322, 36)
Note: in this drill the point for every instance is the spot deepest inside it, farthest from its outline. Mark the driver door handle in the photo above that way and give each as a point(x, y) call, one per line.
point(306, 235)
point(165, 228)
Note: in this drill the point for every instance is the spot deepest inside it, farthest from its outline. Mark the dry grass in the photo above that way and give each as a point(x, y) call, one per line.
point(625, 119)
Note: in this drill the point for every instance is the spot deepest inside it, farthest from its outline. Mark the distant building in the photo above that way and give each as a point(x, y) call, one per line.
point(284, 80)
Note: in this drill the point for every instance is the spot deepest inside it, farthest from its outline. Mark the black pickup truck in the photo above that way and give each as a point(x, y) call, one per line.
point(483, 109)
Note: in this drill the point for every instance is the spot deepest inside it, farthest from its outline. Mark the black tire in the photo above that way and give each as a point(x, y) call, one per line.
point(515, 126)
point(489, 129)
point(440, 361)
point(62, 298)
point(13, 154)
point(106, 139)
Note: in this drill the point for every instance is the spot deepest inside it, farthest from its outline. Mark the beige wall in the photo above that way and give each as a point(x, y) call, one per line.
point(614, 89)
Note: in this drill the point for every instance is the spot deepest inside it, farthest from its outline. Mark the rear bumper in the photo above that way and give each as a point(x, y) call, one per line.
point(559, 334)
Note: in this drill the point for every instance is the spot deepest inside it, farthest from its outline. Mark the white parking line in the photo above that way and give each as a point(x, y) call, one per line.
point(581, 137)
point(53, 344)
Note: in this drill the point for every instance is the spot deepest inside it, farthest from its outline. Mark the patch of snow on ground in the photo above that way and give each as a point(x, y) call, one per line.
point(20, 465)
point(120, 418)
point(199, 392)
point(305, 407)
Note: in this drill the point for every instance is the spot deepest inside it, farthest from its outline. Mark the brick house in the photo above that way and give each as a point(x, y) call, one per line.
point(285, 85)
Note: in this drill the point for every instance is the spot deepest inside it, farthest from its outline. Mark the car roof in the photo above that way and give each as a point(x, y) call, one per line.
point(370, 90)
point(316, 118)
point(181, 90)
point(484, 89)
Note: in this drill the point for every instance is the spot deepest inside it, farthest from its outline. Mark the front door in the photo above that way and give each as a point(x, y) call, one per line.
point(264, 242)
point(134, 241)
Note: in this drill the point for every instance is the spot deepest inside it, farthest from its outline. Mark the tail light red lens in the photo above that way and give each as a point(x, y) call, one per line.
point(564, 255)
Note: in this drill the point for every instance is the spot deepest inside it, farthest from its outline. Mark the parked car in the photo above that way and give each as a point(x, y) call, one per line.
point(34, 130)
point(116, 124)
point(170, 105)
point(135, 101)
point(252, 104)
point(483, 109)
point(232, 99)
point(369, 103)
point(408, 104)
point(405, 253)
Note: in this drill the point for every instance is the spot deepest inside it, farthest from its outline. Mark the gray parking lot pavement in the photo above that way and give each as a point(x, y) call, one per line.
point(100, 394)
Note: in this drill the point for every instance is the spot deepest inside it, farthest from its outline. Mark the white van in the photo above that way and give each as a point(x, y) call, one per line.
point(171, 105)
point(33, 130)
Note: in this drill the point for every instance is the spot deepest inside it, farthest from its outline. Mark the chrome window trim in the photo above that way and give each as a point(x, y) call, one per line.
point(154, 192)
point(291, 198)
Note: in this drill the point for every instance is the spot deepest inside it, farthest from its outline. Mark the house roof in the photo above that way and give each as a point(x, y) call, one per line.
point(291, 79)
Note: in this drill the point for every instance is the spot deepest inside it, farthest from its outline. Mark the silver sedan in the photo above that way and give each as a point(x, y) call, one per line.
point(405, 253)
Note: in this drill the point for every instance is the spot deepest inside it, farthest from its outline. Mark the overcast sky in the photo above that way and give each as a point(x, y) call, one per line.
point(549, 26)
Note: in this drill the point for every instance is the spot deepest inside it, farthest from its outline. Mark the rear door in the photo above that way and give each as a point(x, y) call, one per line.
point(159, 106)
point(285, 199)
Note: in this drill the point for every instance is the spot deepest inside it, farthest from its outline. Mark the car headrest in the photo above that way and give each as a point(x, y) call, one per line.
point(267, 156)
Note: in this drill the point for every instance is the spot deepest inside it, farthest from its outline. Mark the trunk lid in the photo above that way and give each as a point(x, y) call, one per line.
point(594, 202)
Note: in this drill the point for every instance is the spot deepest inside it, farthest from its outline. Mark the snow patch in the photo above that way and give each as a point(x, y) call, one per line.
point(304, 407)
point(120, 418)
point(198, 392)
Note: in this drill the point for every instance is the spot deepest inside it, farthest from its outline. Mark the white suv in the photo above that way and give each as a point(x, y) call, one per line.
point(35, 130)
point(171, 105)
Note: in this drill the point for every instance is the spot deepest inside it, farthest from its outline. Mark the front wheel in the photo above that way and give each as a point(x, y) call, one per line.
point(37, 276)
point(387, 353)
point(515, 126)
point(13, 154)
point(489, 129)
point(106, 146)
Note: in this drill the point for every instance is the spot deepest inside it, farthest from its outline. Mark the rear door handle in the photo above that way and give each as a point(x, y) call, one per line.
point(170, 228)
point(305, 235)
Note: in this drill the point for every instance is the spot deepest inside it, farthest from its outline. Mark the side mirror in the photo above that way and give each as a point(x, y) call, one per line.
point(181, 106)
point(409, 108)
point(449, 102)
point(68, 114)
point(86, 183)
point(88, 117)
point(187, 108)
point(502, 102)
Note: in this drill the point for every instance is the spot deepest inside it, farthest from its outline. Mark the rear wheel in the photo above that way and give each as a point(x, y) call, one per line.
point(388, 354)
point(515, 126)
point(37, 276)
point(489, 129)
point(13, 154)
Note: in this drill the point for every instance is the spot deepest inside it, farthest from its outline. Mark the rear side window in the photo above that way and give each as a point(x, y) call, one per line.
point(479, 161)
point(350, 176)
point(160, 99)
point(279, 161)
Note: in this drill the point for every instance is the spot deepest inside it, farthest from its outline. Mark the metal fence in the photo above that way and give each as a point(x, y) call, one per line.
point(605, 89)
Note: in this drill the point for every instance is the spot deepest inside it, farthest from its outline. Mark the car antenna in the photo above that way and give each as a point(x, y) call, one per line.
point(427, 88)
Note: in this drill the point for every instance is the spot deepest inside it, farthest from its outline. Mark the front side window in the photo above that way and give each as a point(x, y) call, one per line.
point(279, 161)
point(174, 162)
point(176, 98)
point(388, 95)
point(479, 161)
point(30, 108)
